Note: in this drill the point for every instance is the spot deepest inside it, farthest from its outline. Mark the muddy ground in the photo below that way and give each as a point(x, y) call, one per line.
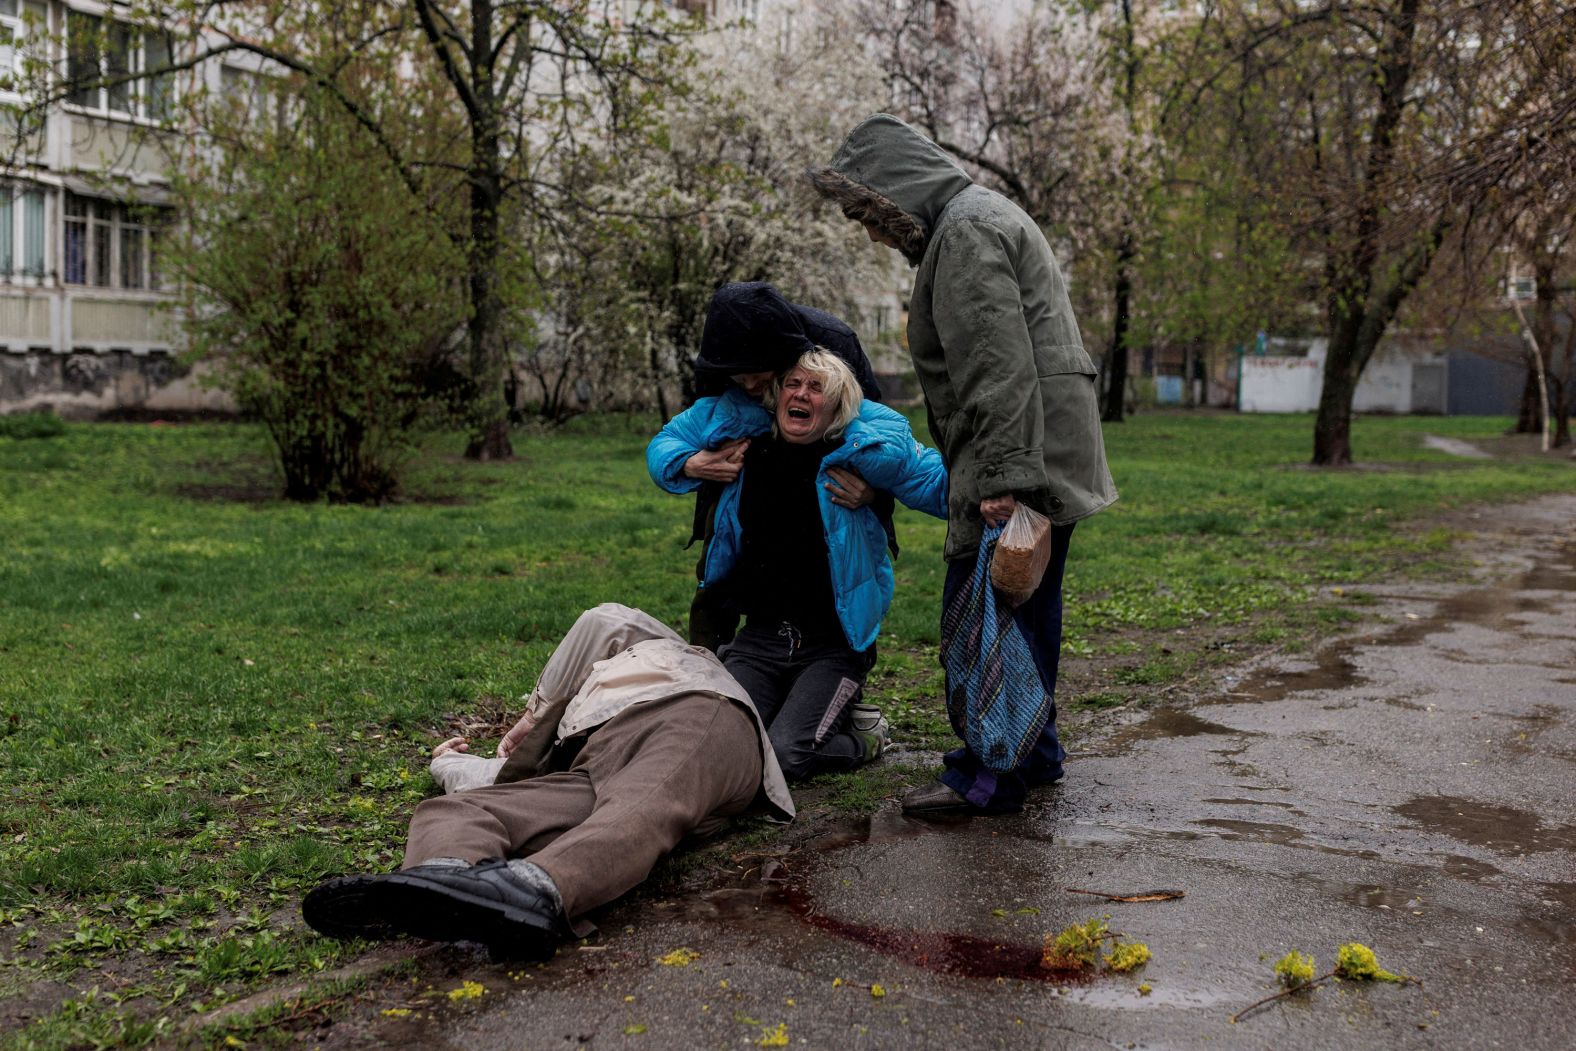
point(1409, 787)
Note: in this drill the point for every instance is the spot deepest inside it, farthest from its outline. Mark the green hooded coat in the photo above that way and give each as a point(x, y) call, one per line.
point(1009, 389)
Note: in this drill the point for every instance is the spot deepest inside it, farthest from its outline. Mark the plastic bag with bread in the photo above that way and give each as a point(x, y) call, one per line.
point(1022, 553)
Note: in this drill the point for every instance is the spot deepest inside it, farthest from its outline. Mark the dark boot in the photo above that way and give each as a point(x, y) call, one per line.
point(486, 902)
point(348, 907)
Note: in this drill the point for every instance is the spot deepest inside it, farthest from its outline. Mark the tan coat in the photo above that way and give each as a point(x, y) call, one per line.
point(613, 657)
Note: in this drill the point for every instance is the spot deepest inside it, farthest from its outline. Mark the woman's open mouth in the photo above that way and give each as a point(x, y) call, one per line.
point(795, 413)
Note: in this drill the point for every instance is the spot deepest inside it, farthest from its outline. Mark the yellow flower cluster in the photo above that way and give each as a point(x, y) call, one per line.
point(467, 991)
point(1294, 970)
point(774, 1035)
point(1354, 961)
point(1125, 956)
point(1075, 948)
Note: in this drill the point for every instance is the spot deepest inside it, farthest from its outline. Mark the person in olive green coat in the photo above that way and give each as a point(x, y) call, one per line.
point(1009, 390)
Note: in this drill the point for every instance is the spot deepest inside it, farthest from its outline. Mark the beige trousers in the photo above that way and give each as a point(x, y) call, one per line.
point(644, 780)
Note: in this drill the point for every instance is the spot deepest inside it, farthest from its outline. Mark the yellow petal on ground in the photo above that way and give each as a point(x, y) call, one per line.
point(681, 957)
point(467, 991)
point(878, 990)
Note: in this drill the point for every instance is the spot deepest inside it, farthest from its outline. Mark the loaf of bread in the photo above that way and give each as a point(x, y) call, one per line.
point(1022, 552)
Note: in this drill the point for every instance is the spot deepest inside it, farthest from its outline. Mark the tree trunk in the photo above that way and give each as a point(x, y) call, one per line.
point(1332, 428)
point(1559, 405)
point(489, 409)
point(1566, 387)
point(1353, 337)
point(1116, 385)
point(1529, 417)
point(1359, 313)
point(1543, 329)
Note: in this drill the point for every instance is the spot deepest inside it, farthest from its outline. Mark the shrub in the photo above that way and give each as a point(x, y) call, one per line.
point(325, 291)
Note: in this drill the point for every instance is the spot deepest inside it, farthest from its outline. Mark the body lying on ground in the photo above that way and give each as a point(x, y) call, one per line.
point(631, 741)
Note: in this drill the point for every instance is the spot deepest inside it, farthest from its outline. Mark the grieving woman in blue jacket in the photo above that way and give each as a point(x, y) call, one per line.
point(810, 575)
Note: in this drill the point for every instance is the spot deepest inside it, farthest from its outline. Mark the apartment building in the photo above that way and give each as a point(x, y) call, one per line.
point(88, 321)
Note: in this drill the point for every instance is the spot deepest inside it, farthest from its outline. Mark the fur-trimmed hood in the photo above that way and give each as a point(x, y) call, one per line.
point(892, 177)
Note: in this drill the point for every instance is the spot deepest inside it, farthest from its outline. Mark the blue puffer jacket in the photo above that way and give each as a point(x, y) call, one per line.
point(878, 445)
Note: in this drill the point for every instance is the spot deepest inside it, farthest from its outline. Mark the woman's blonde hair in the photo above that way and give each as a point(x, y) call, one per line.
point(838, 385)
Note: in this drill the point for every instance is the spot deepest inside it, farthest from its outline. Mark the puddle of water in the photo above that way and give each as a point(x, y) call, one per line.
point(884, 826)
point(1366, 895)
point(1125, 996)
point(1288, 807)
point(1455, 447)
point(1499, 828)
point(1258, 831)
point(1087, 836)
point(1559, 894)
point(1549, 921)
point(1491, 607)
point(1334, 669)
point(1469, 868)
point(1167, 723)
point(1281, 835)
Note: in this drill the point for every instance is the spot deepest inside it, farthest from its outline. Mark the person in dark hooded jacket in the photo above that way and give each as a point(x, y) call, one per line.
point(751, 329)
point(752, 334)
point(1009, 391)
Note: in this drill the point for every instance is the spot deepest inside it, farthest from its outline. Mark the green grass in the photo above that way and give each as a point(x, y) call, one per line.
point(208, 703)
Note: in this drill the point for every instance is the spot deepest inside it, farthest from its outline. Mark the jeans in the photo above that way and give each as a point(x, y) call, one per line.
point(1040, 621)
point(803, 691)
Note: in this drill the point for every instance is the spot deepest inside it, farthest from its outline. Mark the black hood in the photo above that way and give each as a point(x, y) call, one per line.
point(750, 327)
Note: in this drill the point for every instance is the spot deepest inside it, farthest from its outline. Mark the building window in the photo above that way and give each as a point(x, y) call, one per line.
point(7, 233)
point(33, 233)
point(114, 68)
point(112, 245)
point(21, 233)
point(255, 97)
point(10, 45)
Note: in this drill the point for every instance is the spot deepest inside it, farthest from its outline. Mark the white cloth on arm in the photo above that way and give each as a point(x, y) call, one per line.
point(457, 771)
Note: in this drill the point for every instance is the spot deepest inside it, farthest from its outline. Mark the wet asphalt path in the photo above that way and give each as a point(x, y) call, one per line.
point(1412, 788)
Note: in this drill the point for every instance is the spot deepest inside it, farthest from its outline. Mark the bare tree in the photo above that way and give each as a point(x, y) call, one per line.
point(1389, 125)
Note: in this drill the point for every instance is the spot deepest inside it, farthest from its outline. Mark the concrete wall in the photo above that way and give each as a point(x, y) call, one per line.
point(88, 386)
point(1273, 384)
point(1386, 386)
point(1392, 382)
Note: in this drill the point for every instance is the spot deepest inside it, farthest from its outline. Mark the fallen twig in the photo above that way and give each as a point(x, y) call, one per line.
point(1280, 996)
point(1148, 895)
